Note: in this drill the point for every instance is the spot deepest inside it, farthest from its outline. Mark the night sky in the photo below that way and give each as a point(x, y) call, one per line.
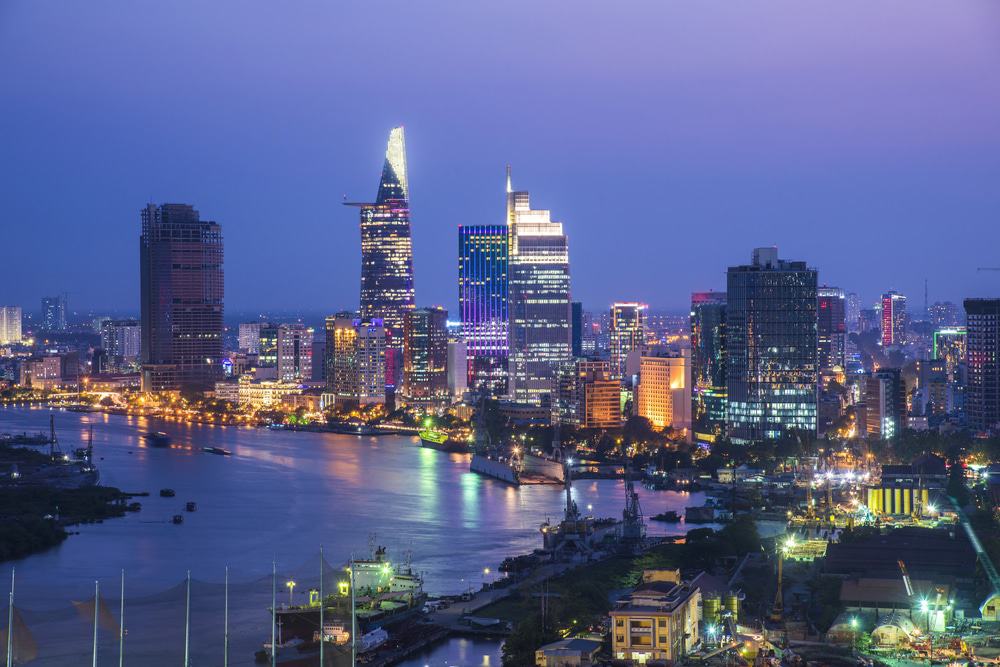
point(670, 136)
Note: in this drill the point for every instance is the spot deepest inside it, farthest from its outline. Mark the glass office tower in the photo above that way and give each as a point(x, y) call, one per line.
point(708, 365)
point(771, 345)
point(483, 265)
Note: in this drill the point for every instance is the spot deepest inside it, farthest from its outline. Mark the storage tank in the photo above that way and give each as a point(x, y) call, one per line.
point(732, 602)
point(710, 608)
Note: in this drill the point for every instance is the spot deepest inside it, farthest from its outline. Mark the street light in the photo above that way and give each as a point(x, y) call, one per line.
point(854, 631)
point(711, 633)
point(291, 588)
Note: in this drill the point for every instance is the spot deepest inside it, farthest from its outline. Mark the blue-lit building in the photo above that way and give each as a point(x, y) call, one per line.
point(771, 348)
point(483, 263)
point(708, 365)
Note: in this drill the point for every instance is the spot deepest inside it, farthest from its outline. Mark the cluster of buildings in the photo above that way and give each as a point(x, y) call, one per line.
point(775, 354)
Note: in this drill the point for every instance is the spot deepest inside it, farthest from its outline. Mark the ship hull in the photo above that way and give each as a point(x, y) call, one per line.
point(449, 445)
point(496, 469)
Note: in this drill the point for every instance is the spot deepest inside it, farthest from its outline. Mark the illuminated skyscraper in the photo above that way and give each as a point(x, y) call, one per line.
point(386, 246)
point(294, 349)
point(356, 360)
point(425, 355)
point(539, 307)
point(628, 331)
point(54, 313)
point(181, 298)
point(771, 348)
point(832, 328)
point(982, 402)
point(249, 337)
point(885, 404)
point(708, 364)
point(10, 324)
point(482, 298)
point(893, 319)
point(852, 312)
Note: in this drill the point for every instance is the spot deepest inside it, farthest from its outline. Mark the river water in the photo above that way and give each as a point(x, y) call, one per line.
point(278, 498)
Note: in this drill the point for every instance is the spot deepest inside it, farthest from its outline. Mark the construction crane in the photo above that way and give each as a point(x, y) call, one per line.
point(906, 578)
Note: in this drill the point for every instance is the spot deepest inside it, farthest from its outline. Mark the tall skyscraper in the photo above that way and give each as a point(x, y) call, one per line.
point(628, 331)
point(771, 348)
point(663, 396)
point(425, 355)
point(482, 299)
point(539, 298)
point(294, 353)
point(832, 328)
point(10, 324)
point(708, 364)
point(893, 319)
point(181, 298)
point(982, 399)
point(885, 404)
point(386, 246)
point(852, 311)
point(54, 313)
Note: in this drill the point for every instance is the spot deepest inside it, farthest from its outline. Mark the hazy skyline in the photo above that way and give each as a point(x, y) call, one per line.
point(670, 138)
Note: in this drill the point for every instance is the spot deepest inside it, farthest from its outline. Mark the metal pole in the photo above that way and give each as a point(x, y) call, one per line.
point(187, 622)
point(322, 630)
point(225, 644)
point(96, 605)
point(121, 625)
point(354, 621)
point(10, 622)
point(274, 611)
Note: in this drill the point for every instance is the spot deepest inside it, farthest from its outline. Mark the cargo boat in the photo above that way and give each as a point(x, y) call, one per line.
point(441, 441)
point(157, 439)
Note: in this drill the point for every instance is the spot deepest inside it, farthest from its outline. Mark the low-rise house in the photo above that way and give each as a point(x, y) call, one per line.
point(572, 652)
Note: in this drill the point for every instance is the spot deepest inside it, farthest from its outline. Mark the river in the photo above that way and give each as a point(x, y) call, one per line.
point(279, 498)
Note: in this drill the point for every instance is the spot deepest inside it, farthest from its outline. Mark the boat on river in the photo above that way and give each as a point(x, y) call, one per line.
point(441, 441)
point(219, 451)
point(157, 439)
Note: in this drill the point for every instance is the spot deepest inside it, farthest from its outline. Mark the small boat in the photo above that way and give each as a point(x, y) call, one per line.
point(167, 493)
point(191, 506)
point(217, 450)
point(178, 519)
point(440, 441)
point(157, 439)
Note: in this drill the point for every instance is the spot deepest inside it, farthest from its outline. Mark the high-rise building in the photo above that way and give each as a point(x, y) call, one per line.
point(589, 394)
point(950, 347)
point(852, 311)
point(708, 364)
point(482, 300)
point(121, 340)
point(425, 355)
point(831, 328)
point(54, 313)
point(893, 319)
point(885, 404)
point(663, 396)
point(982, 398)
point(249, 337)
point(386, 245)
point(458, 363)
point(576, 326)
point(294, 353)
point(771, 348)
point(181, 298)
point(943, 314)
point(628, 332)
point(10, 324)
point(356, 360)
point(539, 307)
point(267, 346)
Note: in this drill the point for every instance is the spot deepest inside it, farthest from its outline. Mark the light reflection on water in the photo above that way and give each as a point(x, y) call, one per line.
point(282, 494)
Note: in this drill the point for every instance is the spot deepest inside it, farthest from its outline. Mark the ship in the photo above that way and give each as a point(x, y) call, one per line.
point(157, 439)
point(385, 596)
point(441, 441)
point(219, 451)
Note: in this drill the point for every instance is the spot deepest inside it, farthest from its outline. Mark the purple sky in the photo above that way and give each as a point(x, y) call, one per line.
point(670, 136)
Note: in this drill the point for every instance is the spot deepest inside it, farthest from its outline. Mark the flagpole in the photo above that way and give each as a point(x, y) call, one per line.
point(322, 630)
point(121, 625)
point(10, 623)
point(225, 651)
point(187, 622)
point(274, 611)
point(96, 605)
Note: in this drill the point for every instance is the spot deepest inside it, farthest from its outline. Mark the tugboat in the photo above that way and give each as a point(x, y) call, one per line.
point(157, 439)
point(178, 519)
point(217, 450)
point(167, 493)
point(191, 506)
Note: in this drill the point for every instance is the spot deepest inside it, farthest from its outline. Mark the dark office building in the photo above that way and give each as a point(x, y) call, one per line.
point(267, 355)
point(708, 364)
point(576, 326)
point(181, 299)
point(483, 265)
point(771, 348)
point(885, 404)
point(831, 328)
point(54, 313)
point(982, 393)
point(425, 355)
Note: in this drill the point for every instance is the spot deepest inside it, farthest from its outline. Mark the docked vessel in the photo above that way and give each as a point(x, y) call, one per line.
point(441, 441)
point(219, 451)
point(492, 461)
point(157, 439)
point(385, 597)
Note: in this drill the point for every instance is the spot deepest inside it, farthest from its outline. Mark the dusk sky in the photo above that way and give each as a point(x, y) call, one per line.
point(669, 136)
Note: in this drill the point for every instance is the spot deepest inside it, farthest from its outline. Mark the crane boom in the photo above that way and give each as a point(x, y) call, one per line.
point(906, 578)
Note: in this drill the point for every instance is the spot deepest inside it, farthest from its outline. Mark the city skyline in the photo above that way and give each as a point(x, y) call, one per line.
point(813, 153)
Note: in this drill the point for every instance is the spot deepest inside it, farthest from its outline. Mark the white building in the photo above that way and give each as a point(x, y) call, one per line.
point(10, 324)
point(458, 368)
point(249, 337)
point(295, 360)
